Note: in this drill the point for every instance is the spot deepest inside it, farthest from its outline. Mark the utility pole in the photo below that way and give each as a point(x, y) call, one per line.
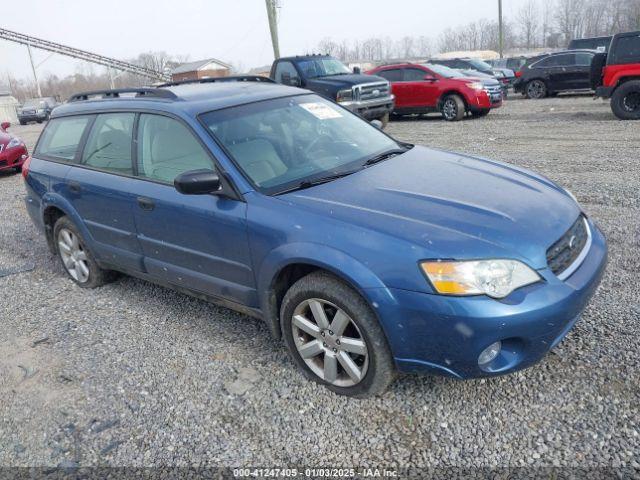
point(500, 29)
point(33, 67)
point(272, 14)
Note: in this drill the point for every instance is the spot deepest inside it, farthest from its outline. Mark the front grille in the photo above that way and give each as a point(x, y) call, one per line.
point(370, 91)
point(563, 256)
point(3, 163)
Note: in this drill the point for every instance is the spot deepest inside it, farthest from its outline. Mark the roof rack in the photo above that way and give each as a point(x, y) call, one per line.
point(115, 93)
point(233, 78)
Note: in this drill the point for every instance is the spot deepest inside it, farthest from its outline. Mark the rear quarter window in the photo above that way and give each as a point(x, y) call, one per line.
point(61, 138)
point(626, 50)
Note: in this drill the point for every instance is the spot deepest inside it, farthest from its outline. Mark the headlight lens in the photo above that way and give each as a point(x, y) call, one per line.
point(476, 85)
point(344, 95)
point(495, 278)
point(14, 142)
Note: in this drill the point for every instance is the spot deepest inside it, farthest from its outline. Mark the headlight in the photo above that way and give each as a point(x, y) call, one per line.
point(344, 95)
point(476, 85)
point(495, 277)
point(14, 142)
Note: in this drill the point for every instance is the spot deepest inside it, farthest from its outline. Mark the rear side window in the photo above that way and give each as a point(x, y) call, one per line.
point(61, 138)
point(166, 148)
point(583, 59)
point(285, 67)
point(393, 75)
point(626, 50)
point(109, 144)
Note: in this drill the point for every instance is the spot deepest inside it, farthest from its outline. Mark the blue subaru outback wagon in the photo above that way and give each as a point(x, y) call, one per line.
point(367, 255)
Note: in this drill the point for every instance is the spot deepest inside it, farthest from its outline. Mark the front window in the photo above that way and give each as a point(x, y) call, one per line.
point(322, 67)
point(282, 143)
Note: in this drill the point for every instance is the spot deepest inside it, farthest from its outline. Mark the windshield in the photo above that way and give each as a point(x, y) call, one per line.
point(280, 143)
point(479, 64)
point(322, 67)
point(442, 70)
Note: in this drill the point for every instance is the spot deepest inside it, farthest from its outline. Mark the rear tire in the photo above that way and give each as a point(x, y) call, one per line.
point(323, 320)
point(22, 122)
point(77, 260)
point(536, 89)
point(625, 101)
point(453, 108)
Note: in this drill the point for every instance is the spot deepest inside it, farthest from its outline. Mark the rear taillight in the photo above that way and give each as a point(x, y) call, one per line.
point(519, 73)
point(25, 167)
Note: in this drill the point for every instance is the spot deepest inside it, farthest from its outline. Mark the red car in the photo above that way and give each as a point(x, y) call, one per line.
point(426, 88)
point(13, 151)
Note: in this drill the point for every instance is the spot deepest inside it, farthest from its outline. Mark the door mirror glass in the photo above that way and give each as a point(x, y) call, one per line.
point(429, 78)
point(377, 124)
point(5, 125)
point(197, 182)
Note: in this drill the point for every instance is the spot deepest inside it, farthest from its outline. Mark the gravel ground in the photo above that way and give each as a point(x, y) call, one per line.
point(136, 375)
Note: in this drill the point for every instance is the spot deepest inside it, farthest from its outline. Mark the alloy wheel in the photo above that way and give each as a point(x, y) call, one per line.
point(450, 109)
point(536, 89)
point(329, 342)
point(73, 255)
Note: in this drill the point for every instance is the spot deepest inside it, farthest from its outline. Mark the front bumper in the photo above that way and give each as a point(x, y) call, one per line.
point(371, 109)
point(485, 100)
point(13, 157)
point(445, 335)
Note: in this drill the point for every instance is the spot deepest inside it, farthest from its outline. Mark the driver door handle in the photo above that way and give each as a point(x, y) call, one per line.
point(146, 203)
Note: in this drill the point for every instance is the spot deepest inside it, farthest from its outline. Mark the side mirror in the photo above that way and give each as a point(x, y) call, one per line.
point(377, 124)
point(4, 126)
point(197, 182)
point(287, 79)
point(430, 78)
point(357, 70)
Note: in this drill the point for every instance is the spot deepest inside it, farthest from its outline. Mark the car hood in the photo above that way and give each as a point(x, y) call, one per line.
point(450, 205)
point(489, 82)
point(345, 80)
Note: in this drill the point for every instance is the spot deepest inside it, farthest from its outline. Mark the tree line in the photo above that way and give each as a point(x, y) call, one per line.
point(537, 24)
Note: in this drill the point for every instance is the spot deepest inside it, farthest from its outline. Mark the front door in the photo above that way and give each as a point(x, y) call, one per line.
point(198, 242)
point(424, 93)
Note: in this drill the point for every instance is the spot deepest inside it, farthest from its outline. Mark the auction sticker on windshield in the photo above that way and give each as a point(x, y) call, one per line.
point(320, 110)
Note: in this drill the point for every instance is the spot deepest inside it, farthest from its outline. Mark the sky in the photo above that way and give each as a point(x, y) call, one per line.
point(235, 31)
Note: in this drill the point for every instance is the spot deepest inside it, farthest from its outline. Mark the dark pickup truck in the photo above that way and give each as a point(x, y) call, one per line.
point(366, 95)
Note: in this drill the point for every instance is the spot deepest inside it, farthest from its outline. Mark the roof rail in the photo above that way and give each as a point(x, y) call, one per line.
point(233, 78)
point(115, 93)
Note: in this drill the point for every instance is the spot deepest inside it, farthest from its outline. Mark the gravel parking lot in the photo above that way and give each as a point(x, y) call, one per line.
point(136, 375)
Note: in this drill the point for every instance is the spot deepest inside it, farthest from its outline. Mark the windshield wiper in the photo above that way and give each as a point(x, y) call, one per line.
point(318, 181)
point(384, 156)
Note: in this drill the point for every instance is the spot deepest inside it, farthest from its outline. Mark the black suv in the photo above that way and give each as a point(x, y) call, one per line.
point(552, 73)
point(36, 110)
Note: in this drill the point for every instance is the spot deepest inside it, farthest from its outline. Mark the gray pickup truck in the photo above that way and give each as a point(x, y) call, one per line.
point(366, 95)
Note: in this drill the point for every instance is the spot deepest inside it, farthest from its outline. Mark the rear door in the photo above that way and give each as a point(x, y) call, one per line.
point(195, 241)
point(399, 89)
point(100, 189)
point(424, 93)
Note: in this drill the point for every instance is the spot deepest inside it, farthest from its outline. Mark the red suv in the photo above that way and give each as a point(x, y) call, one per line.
point(616, 75)
point(13, 151)
point(426, 88)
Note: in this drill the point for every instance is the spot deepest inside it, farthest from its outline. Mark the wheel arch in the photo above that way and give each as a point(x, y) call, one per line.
point(54, 207)
point(450, 92)
point(287, 264)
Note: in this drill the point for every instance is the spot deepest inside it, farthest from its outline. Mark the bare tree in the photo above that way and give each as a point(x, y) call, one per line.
point(528, 20)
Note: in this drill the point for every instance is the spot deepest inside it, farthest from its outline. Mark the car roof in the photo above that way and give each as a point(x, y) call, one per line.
point(189, 98)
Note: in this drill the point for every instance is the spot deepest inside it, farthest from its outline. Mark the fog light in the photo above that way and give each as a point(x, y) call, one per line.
point(489, 353)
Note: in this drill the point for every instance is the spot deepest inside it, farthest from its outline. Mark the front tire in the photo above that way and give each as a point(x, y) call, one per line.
point(453, 108)
point(625, 101)
point(76, 258)
point(536, 89)
point(335, 338)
